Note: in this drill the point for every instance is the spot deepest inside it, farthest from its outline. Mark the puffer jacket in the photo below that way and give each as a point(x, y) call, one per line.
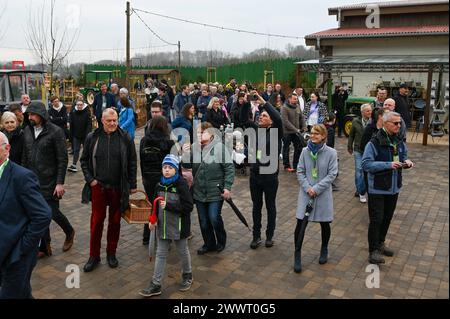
point(128, 162)
point(174, 222)
point(46, 155)
point(214, 167)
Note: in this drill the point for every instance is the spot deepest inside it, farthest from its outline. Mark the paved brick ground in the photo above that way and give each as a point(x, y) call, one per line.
point(419, 235)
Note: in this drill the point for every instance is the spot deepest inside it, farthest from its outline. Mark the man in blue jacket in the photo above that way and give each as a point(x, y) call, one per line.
point(24, 218)
point(385, 156)
point(103, 100)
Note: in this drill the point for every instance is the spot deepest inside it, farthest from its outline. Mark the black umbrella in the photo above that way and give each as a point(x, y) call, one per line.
point(235, 209)
point(301, 235)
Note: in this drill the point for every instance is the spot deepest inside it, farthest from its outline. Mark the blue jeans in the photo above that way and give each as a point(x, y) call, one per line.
point(359, 176)
point(211, 224)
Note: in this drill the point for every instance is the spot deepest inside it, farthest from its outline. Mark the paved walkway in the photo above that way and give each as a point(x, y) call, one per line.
point(419, 234)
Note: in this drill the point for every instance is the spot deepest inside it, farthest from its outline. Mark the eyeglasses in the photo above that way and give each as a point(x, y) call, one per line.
point(396, 123)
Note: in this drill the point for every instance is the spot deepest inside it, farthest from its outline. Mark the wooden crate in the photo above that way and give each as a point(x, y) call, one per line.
point(139, 210)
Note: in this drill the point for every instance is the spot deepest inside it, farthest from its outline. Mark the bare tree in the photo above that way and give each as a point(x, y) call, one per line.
point(49, 43)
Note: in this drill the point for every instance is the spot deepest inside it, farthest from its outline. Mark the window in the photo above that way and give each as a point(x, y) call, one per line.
point(16, 86)
point(34, 86)
point(2, 88)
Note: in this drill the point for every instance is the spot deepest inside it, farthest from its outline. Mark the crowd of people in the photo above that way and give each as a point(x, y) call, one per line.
point(184, 164)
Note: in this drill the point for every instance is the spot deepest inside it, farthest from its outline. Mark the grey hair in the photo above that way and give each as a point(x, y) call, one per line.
point(109, 111)
point(124, 91)
point(114, 84)
point(365, 105)
point(212, 101)
point(388, 115)
point(4, 138)
point(390, 100)
point(7, 116)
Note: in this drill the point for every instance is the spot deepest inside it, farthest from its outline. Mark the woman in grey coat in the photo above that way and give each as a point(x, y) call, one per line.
point(316, 171)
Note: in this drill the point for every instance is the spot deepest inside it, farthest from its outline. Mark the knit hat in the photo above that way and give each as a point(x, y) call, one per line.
point(171, 160)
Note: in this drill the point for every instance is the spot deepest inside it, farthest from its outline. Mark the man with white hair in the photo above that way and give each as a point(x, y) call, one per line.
point(389, 106)
point(354, 147)
point(384, 159)
point(24, 219)
point(109, 166)
point(115, 92)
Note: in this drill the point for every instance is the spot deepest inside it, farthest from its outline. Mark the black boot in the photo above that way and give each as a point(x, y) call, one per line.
point(297, 261)
point(323, 255)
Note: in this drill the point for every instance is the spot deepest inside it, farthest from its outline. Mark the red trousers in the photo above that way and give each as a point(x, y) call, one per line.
point(102, 197)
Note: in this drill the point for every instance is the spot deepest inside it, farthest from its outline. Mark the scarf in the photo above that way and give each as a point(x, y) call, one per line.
point(167, 181)
point(314, 148)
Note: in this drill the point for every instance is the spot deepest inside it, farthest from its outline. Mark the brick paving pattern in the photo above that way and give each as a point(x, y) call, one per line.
point(419, 235)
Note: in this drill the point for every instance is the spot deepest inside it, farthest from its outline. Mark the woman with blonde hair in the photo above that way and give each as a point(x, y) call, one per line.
point(214, 113)
point(316, 171)
point(14, 133)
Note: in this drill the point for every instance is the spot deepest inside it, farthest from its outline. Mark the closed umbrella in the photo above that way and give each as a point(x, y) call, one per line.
point(235, 209)
point(153, 219)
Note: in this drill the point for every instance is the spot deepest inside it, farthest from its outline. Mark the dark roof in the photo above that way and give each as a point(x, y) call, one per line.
point(20, 71)
point(381, 32)
point(385, 63)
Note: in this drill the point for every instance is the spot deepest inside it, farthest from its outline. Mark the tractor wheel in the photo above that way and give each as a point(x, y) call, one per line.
point(347, 126)
point(90, 97)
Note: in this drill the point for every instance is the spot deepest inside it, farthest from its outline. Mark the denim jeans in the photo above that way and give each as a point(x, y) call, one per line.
point(211, 224)
point(259, 186)
point(76, 146)
point(359, 175)
point(161, 256)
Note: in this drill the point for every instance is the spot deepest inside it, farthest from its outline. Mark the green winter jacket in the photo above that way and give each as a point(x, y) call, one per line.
point(211, 166)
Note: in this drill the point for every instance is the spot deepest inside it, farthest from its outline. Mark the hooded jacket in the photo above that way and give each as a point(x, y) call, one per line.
point(45, 155)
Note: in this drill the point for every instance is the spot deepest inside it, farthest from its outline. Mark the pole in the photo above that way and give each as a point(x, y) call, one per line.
point(128, 61)
point(179, 56)
point(426, 120)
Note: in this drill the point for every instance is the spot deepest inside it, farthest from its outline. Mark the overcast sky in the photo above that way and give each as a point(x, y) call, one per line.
point(102, 25)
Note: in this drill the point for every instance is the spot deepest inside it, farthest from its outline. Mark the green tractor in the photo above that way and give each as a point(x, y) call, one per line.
point(353, 109)
point(93, 80)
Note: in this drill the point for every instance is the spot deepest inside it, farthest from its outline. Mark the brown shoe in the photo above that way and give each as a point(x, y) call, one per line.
point(49, 250)
point(68, 242)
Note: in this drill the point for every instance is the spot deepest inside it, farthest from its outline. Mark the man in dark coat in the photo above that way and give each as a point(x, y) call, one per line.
point(103, 100)
point(80, 127)
point(264, 168)
point(402, 104)
point(24, 218)
point(45, 154)
point(109, 166)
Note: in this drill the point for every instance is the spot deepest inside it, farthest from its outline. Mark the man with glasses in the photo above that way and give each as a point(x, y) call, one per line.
point(384, 159)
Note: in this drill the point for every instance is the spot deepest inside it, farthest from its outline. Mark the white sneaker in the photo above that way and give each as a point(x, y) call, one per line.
point(362, 199)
